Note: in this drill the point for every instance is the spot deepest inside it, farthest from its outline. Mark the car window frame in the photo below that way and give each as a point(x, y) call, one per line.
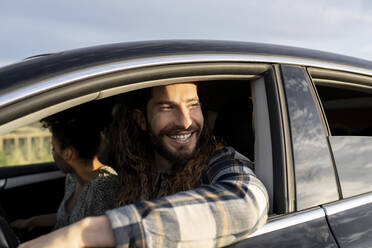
point(340, 79)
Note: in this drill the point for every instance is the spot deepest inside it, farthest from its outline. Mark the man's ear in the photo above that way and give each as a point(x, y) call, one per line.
point(139, 117)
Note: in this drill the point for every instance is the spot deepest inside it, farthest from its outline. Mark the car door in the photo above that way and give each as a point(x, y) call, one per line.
point(309, 175)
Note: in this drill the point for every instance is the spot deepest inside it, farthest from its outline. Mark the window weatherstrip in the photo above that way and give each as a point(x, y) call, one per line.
point(2, 183)
point(351, 203)
point(135, 86)
point(338, 76)
point(288, 221)
point(13, 182)
point(291, 191)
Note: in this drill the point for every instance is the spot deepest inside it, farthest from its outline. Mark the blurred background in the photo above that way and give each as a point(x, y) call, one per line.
point(35, 27)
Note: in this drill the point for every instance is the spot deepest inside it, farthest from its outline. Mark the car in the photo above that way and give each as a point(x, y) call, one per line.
point(304, 117)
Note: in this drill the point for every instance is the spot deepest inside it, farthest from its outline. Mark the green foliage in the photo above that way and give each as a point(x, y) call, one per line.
point(19, 157)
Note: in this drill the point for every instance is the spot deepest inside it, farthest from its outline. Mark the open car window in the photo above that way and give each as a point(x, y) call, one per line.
point(234, 99)
point(26, 145)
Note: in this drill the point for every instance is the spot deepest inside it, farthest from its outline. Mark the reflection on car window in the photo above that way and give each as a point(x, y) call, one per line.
point(354, 163)
point(315, 181)
point(348, 112)
point(26, 145)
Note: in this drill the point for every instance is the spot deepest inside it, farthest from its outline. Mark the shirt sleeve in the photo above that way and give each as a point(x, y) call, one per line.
point(231, 204)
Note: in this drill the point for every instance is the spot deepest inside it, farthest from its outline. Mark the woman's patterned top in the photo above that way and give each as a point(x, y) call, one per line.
point(97, 196)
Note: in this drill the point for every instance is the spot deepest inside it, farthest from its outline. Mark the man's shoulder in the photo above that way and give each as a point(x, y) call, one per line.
point(227, 161)
point(227, 154)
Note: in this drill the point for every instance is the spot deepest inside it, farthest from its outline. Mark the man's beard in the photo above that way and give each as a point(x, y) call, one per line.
point(177, 158)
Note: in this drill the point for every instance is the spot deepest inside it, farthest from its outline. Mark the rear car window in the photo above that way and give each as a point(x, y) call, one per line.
point(348, 111)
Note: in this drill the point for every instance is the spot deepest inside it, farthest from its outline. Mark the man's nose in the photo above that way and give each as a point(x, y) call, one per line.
point(184, 118)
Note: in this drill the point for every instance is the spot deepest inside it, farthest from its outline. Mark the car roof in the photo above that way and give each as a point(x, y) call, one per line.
point(38, 67)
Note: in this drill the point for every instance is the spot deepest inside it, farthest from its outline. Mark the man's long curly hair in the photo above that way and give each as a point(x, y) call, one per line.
point(134, 155)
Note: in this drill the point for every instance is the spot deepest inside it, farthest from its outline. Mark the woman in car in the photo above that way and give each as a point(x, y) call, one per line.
point(90, 187)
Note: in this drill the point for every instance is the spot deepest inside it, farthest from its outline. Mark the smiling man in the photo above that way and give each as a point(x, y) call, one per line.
point(174, 121)
point(178, 188)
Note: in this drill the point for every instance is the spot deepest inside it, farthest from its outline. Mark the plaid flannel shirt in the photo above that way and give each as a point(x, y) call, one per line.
point(229, 205)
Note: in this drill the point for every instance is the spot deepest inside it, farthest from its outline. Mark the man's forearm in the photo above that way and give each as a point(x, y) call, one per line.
point(209, 216)
point(231, 204)
point(89, 232)
point(96, 232)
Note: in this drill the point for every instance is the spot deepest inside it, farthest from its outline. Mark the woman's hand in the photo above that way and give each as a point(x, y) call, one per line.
point(28, 224)
point(46, 220)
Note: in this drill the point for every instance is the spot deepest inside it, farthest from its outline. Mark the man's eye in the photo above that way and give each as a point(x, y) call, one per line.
point(195, 105)
point(166, 107)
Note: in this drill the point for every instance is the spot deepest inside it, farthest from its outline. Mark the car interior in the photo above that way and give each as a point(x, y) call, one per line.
point(237, 112)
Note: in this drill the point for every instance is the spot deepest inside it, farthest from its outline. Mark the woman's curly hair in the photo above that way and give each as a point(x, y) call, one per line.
point(80, 127)
point(134, 155)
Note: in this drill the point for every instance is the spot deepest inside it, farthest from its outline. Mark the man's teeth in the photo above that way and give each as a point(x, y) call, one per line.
point(180, 137)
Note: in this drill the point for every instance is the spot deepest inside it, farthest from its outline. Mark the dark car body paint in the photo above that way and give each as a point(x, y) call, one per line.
point(63, 62)
point(353, 227)
point(312, 234)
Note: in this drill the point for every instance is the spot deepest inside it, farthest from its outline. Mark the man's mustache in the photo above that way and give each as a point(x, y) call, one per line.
point(173, 130)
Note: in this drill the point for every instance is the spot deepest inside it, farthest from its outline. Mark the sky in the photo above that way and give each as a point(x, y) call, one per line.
point(34, 27)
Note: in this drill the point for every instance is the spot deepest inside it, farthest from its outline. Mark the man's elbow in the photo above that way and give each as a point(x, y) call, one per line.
point(257, 200)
